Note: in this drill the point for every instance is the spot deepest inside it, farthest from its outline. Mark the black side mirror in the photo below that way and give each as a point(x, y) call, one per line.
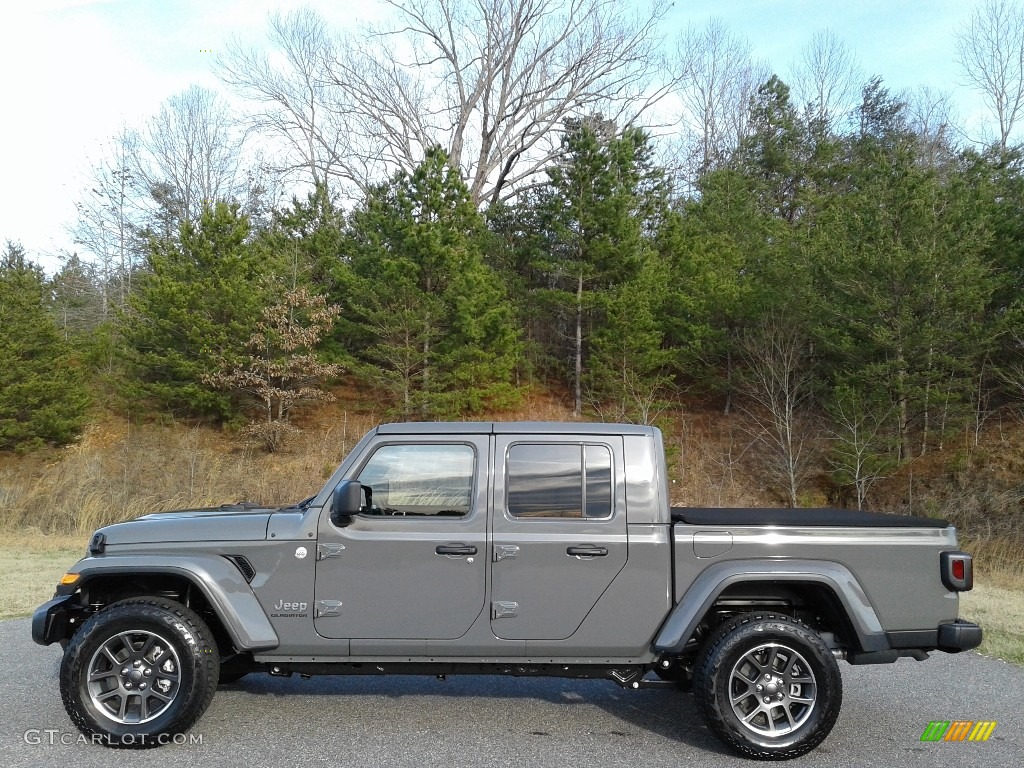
point(346, 501)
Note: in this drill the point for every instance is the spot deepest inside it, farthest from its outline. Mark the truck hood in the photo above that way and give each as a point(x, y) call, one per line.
point(227, 523)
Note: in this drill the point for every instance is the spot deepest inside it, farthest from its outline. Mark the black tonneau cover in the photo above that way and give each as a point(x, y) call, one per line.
point(833, 518)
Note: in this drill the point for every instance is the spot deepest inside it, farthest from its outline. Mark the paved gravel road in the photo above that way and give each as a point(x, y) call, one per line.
point(391, 722)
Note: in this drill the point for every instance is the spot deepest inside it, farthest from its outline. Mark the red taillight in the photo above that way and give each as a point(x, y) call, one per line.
point(959, 569)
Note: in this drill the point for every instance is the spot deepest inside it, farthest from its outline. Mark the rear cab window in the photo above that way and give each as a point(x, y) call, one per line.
point(559, 481)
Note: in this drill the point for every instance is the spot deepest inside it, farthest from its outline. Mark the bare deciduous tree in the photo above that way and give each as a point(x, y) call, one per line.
point(827, 78)
point(107, 226)
point(501, 76)
point(282, 369)
point(488, 80)
point(777, 383)
point(860, 456)
point(717, 78)
point(932, 116)
point(77, 296)
point(295, 95)
point(190, 155)
point(990, 51)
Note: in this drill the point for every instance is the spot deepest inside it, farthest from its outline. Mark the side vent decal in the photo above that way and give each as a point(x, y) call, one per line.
point(244, 566)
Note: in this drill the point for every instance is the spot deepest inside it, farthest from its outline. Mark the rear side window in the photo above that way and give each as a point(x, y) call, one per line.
point(420, 479)
point(559, 480)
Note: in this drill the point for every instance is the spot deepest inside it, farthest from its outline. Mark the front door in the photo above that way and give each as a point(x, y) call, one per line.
point(411, 565)
point(559, 532)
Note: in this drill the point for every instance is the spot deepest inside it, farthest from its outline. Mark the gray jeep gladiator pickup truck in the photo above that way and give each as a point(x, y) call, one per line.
point(505, 549)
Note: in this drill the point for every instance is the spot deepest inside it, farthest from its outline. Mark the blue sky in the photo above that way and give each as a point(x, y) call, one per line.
point(75, 71)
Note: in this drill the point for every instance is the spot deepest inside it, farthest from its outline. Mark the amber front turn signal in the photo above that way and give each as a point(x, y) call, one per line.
point(68, 578)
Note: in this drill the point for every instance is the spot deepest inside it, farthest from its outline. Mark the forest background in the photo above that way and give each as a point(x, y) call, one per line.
point(527, 209)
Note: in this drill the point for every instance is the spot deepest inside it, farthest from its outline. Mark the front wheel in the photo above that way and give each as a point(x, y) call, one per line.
point(768, 686)
point(139, 672)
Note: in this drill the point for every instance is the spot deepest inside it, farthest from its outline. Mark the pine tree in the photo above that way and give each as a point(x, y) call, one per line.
point(194, 309)
point(42, 396)
point(600, 205)
point(713, 246)
point(443, 338)
point(629, 374)
point(77, 297)
point(902, 279)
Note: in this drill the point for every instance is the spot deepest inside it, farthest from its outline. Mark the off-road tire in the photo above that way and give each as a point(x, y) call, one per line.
point(803, 686)
point(164, 678)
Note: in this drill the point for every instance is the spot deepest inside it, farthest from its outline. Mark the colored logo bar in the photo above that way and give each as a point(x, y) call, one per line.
point(958, 730)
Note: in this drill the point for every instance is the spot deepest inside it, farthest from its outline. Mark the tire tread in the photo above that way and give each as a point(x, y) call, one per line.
point(708, 670)
point(205, 662)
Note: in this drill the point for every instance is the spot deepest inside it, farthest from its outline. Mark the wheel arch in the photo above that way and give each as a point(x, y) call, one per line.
point(211, 585)
point(827, 587)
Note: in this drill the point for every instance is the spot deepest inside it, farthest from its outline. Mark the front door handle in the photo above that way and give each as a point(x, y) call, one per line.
point(588, 550)
point(455, 549)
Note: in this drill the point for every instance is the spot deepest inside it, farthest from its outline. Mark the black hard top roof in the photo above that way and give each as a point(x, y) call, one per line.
point(512, 427)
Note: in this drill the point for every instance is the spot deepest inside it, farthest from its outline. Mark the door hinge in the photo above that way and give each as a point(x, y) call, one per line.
point(505, 551)
point(325, 608)
point(501, 609)
point(323, 551)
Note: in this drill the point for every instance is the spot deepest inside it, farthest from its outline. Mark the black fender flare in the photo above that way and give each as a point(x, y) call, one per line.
point(709, 585)
point(220, 582)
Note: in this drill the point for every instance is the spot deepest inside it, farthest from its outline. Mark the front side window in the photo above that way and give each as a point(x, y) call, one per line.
point(559, 481)
point(420, 479)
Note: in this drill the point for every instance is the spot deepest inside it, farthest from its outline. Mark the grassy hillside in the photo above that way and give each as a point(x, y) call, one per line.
point(119, 470)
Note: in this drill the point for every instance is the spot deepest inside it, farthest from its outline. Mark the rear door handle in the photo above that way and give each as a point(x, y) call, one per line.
point(455, 549)
point(588, 550)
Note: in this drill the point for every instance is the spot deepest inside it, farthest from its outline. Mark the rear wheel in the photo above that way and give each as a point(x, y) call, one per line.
point(768, 686)
point(139, 672)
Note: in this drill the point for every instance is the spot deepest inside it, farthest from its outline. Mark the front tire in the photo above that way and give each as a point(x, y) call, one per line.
point(768, 686)
point(139, 672)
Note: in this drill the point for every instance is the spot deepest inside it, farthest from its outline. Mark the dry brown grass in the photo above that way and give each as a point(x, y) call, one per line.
point(1000, 612)
point(710, 460)
point(30, 566)
point(118, 472)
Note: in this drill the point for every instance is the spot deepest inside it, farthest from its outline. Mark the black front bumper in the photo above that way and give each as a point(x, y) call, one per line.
point(50, 622)
point(959, 636)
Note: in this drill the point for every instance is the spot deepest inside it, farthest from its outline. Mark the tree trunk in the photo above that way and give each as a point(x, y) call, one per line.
point(728, 382)
point(901, 399)
point(927, 405)
point(425, 407)
point(578, 402)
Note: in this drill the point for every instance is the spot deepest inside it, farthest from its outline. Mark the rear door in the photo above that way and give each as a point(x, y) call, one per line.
point(558, 532)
